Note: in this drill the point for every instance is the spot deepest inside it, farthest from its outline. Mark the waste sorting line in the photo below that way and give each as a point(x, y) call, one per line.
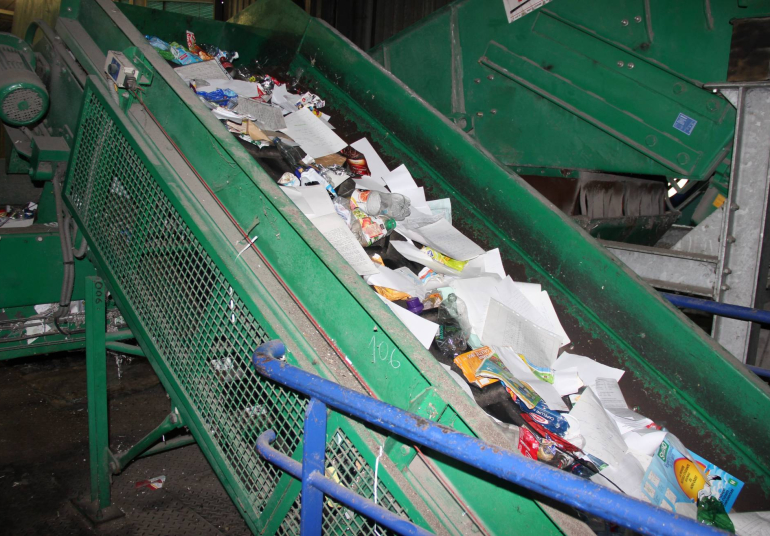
point(456, 298)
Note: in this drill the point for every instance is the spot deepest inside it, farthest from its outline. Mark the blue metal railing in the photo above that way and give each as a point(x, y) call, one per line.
point(564, 487)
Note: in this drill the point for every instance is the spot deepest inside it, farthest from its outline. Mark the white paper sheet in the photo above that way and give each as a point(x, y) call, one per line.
point(344, 241)
point(266, 116)
point(522, 372)
point(488, 264)
point(370, 183)
point(284, 99)
point(566, 381)
point(397, 280)
point(417, 200)
point(751, 523)
point(449, 241)
point(505, 327)
point(602, 436)
point(373, 160)
point(413, 253)
point(241, 87)
point(423, 329)
point(399, 180)
point(315, 138)
point(643, 441)
point(203, 70)
point(315, 202)
point(441, 207)
point(626, 475)
point(545, 306)
point(460, 381)
point(588, 369)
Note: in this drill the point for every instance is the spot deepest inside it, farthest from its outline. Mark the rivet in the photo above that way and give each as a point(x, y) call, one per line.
point(39, 238)
point(725, 287)
point(727, 271)
point(621, 64)
point(493, 112)
point(683, 158)
point(69, 9)
point(624, 22)
point(630, 64)
point(480, 114)
point(734, 207)
point(478, 80)
point(638, 18)
point(491, 77)
point(730, 239)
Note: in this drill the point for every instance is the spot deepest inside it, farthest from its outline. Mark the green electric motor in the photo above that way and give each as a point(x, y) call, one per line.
point(23, 96)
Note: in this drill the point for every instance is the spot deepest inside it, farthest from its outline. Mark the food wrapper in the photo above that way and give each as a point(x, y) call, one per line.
point(493, 367)
point(443, 259)
point(528, 443)
point(391, 294)
point(469, 363)
point(677, 478)
point(182, 56)
point(153, 483)
point(310, 99)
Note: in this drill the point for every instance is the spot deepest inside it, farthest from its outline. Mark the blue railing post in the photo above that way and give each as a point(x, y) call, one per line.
point(313, 457)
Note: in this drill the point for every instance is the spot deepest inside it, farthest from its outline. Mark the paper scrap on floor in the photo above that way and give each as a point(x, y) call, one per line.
point(603, 439)
point(751, 523)
point(315, 138)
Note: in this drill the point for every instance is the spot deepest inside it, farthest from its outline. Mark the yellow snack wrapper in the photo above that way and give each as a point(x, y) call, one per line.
point(469, 363)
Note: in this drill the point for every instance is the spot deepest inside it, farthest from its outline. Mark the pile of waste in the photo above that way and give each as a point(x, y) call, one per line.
point(501, 340)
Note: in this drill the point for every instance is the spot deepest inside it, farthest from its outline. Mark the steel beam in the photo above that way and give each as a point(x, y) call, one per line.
point(743, 263)
point(666, 269)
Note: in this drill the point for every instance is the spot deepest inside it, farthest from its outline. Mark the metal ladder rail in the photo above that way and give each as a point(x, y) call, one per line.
point(564, 487)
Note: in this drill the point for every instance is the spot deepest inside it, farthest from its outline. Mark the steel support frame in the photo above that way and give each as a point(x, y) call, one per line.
point(742, 269)
point(103, 463)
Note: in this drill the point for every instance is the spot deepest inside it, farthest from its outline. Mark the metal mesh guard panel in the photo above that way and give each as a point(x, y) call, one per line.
point(346, 466)
point(197, 323)
point(22, 105)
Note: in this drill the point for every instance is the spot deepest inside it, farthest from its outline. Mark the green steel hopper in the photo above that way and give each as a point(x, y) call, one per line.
point(168, 199)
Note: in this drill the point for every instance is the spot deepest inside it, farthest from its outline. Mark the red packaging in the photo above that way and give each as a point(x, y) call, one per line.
point(564, 445)
point(528, 443)
point(356, 161)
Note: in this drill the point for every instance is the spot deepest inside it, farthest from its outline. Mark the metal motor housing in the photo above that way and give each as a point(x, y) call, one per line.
point(23, 96)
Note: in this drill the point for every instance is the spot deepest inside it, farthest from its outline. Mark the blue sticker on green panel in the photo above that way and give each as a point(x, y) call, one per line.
point(685, 124)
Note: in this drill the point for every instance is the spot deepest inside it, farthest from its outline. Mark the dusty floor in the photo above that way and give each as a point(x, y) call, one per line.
point(44, 455)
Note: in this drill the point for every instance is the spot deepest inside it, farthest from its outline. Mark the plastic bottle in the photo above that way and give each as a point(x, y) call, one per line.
point(369, 229)
point(375, 203)
point(454, 327)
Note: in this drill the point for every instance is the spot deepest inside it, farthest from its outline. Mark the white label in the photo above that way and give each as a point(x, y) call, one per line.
point(515, 9)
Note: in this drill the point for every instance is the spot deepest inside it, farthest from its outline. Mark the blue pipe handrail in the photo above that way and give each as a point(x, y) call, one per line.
point(564, 487)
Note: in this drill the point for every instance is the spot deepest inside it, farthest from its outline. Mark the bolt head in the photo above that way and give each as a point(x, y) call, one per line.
point(39, 238)
point(638, 19)
point(621, 64)
point(631, 65)
point(480, 114)
point(624, 22)
point(493, 112)
point(477, 80)
point(491, 77)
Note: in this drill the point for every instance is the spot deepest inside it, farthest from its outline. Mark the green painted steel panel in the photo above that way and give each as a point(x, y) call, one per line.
point(576, 85)
point(170, 257)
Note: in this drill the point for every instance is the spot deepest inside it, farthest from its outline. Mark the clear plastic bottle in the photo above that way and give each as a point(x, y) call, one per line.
point(370, 229)
point(375, 203)
point(454, 327)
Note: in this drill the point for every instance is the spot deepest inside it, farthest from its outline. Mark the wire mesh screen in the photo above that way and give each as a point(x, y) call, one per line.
point(346, 466)
point(196, 321)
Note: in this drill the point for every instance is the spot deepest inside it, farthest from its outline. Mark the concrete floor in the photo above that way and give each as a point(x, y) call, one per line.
point(44, 455)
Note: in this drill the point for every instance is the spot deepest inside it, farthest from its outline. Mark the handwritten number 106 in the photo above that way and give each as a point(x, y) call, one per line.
point(381, 350)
